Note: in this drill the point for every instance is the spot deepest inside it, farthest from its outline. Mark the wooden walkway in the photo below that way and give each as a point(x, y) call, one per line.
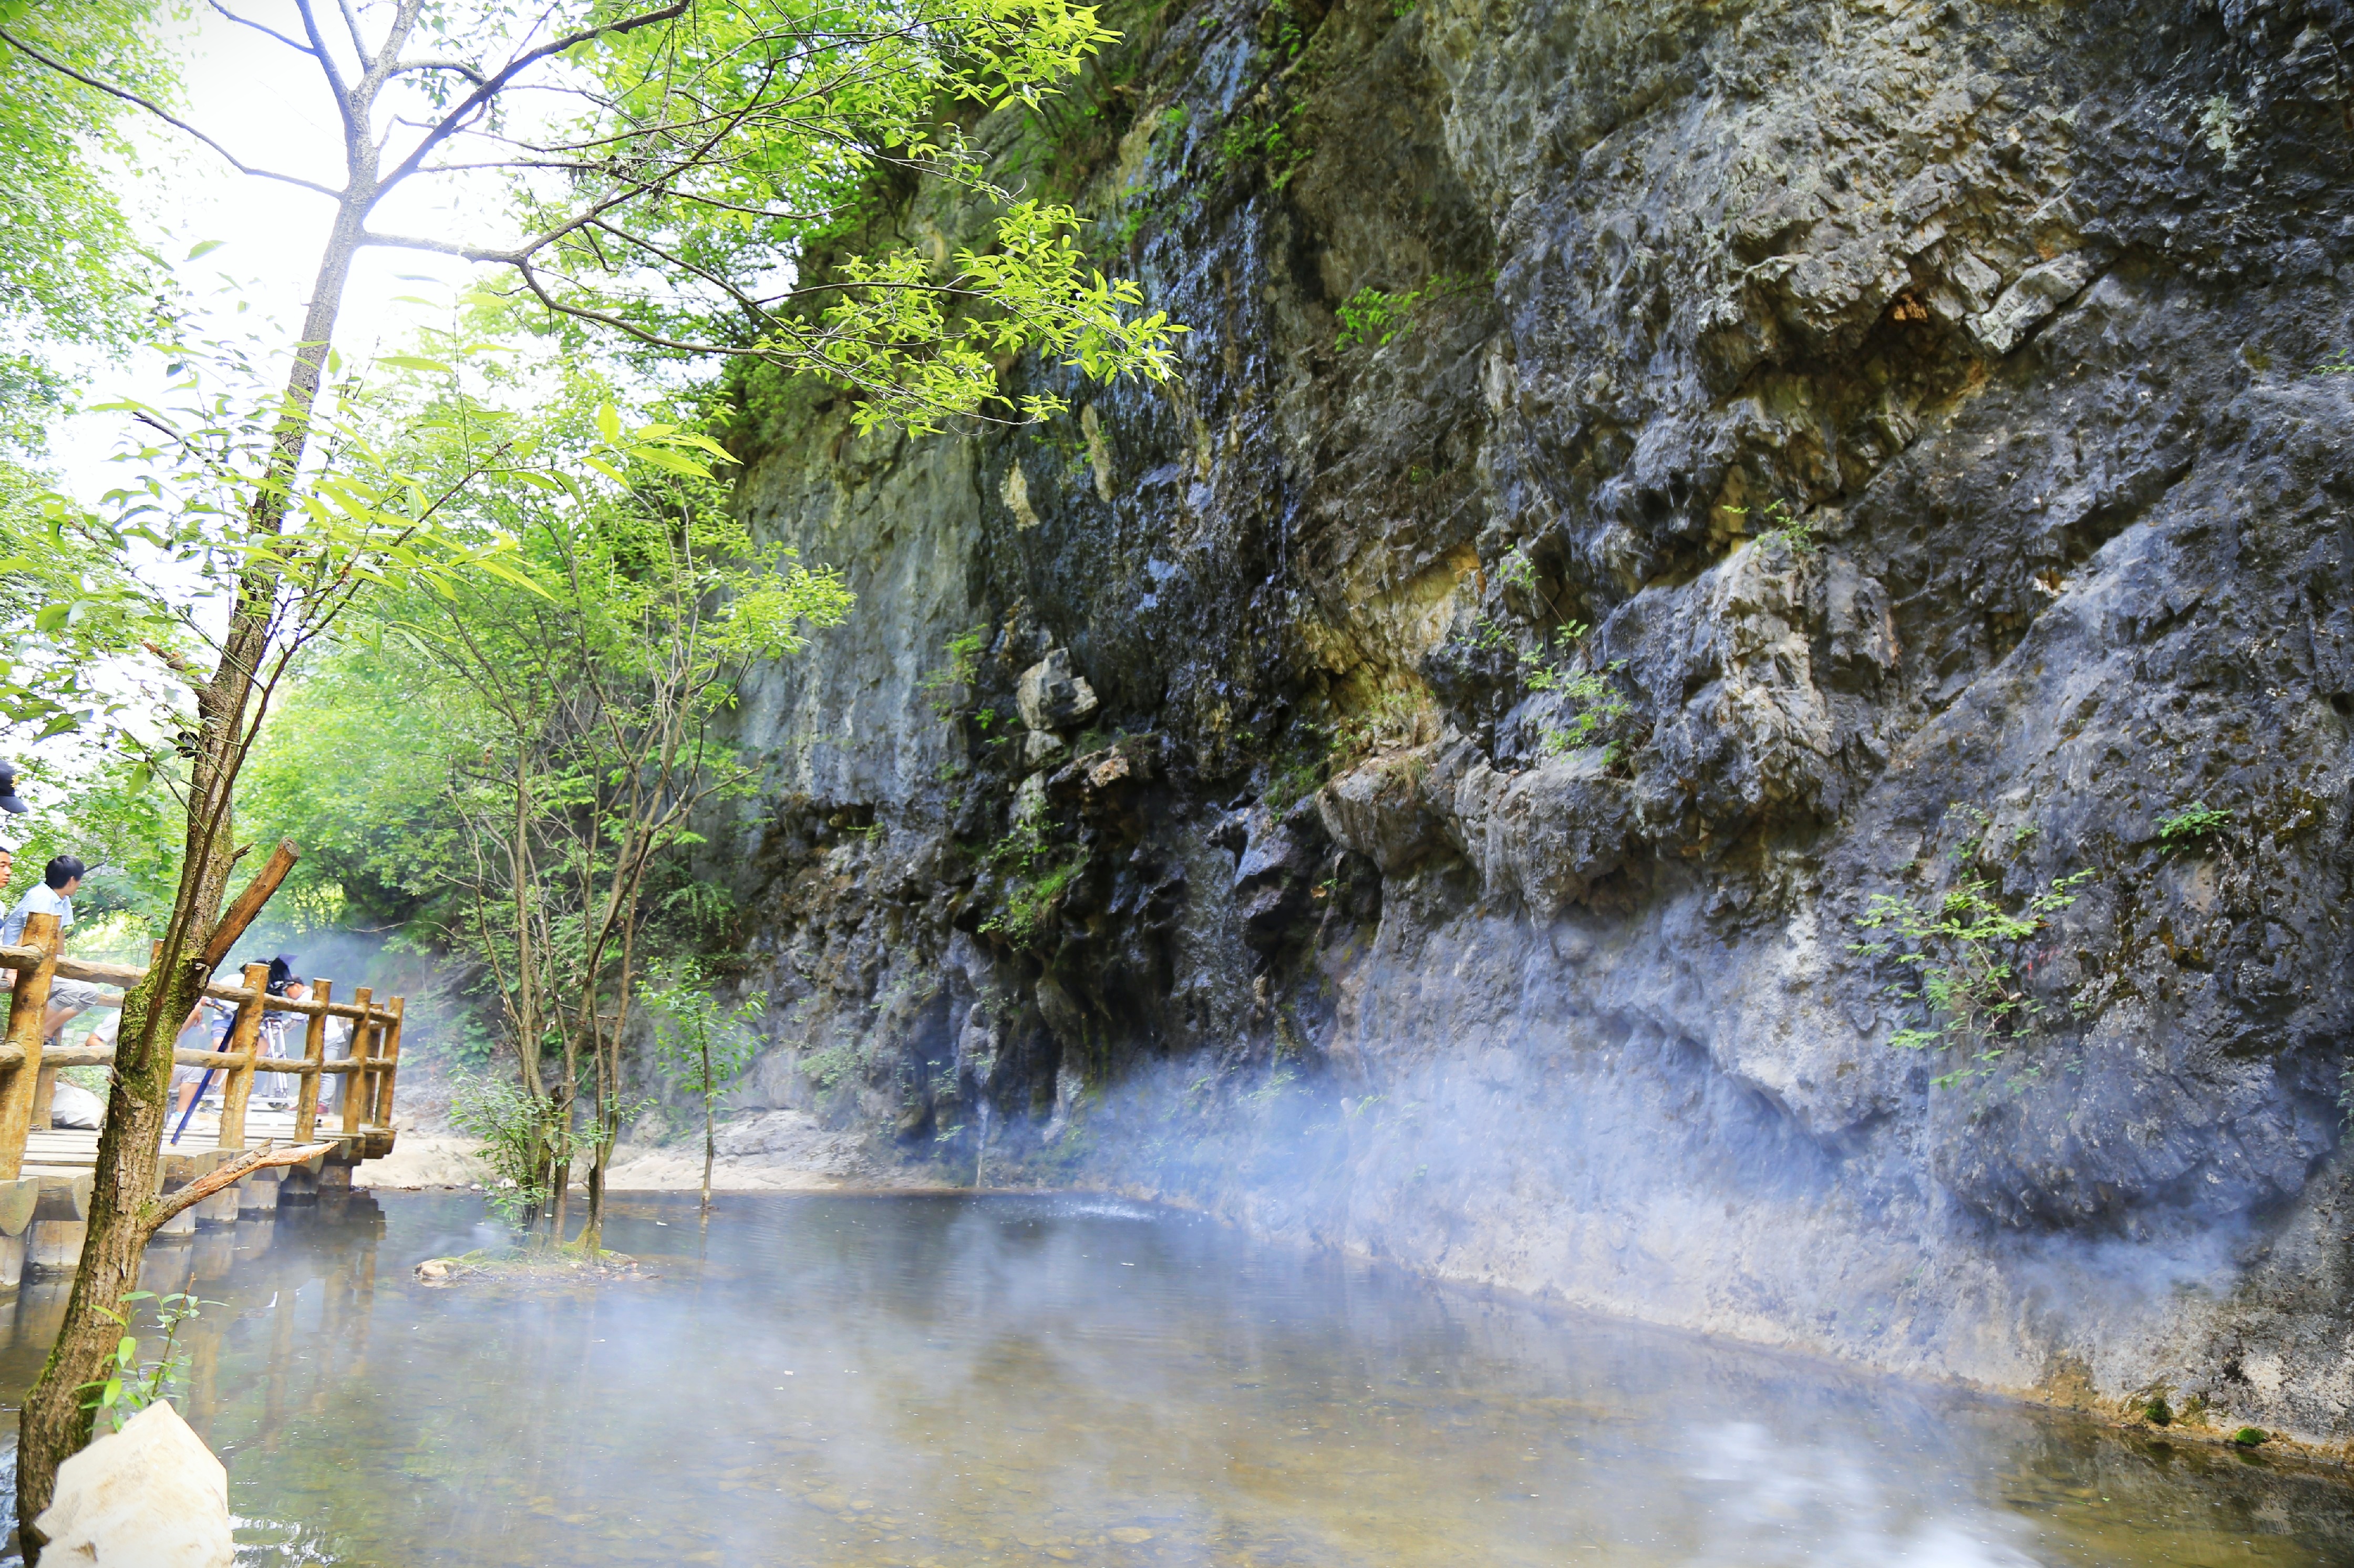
point(46, 1172)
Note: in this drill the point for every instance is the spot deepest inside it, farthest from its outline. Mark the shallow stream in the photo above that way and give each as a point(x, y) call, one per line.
point(946, 1383)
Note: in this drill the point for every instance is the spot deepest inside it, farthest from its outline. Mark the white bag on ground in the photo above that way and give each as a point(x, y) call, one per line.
point(150, 1496)
point(73, 1105)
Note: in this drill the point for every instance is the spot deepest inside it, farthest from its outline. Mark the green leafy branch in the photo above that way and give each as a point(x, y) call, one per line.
point(2190, 824)
point(1374, 316)
point(1962, 952)
point(132, 1385)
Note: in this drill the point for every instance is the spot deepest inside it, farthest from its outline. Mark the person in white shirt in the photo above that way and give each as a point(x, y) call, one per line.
point(60, 879)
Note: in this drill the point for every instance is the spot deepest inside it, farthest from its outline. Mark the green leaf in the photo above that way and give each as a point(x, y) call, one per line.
point(414, 362)
point(205, 247)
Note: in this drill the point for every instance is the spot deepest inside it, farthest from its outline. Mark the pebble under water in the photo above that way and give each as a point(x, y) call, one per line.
point(876, 1382)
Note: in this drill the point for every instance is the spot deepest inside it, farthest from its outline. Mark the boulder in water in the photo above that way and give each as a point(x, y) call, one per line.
point(150, 1496)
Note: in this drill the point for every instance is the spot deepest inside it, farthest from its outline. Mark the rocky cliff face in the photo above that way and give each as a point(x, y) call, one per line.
point(1648, 479)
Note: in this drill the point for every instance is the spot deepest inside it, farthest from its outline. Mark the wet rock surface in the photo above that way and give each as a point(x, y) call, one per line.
point(1803, 451)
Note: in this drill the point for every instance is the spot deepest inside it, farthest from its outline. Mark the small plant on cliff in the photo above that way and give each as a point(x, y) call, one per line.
point(1795, 533)
point(1251, 139)
point(1375, 316)
point(1037, 872)
point(1596, 706)
point(2188, 825)
point(948, 688)
point(1963, 954)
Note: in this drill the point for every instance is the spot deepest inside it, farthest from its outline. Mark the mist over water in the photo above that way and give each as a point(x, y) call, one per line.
point(935, 1380)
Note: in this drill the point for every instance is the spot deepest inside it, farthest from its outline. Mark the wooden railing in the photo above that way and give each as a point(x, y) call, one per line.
point(28, 1073)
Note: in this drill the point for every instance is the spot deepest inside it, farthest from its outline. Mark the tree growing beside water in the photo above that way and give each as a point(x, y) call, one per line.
point(702, 1046)
point(657, 173)
point(589, 696)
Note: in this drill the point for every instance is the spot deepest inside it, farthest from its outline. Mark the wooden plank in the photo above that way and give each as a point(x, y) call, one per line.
point(314, 1052)
point(27, 1011)
point(356, 1094)
point(244, 1041)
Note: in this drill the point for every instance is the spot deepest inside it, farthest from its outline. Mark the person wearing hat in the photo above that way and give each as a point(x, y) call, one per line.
point(276, 1090)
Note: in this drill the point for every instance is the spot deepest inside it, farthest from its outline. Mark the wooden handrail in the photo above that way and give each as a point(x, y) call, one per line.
point(25, 1067)
point(122, 977)
point(185, 1056)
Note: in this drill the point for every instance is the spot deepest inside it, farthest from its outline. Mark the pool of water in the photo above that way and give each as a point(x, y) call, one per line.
point(875, 1381)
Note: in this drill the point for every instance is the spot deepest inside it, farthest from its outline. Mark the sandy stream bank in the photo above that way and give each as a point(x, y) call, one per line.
point(776, 1151)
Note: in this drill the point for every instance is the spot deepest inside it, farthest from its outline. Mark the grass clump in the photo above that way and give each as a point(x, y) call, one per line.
point(1038, 871)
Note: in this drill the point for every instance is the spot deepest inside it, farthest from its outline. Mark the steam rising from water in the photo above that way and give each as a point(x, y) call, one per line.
point(1023, 1383)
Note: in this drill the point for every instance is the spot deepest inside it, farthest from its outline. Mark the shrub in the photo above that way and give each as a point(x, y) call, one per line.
point(2189, 824)
point(1963, 951)
point(1374, 316)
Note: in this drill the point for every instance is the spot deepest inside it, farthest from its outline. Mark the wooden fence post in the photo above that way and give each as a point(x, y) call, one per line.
point(355, 1082)
point(26, 1010)
point(45, 1093)
point(244, 1035)
point(314, 1050)
point(391, 1064)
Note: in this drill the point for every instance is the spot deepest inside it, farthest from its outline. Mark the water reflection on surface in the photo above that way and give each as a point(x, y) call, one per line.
point(931, 1382)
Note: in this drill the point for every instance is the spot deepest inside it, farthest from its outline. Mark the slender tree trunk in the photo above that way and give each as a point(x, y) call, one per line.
point(710, 1141)
point(54, 1425)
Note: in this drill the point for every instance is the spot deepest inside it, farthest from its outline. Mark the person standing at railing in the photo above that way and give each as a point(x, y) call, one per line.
point(60, 879)
point(278, 1032)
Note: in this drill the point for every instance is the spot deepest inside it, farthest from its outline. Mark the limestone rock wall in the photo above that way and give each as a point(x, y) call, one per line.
point(1646, 480)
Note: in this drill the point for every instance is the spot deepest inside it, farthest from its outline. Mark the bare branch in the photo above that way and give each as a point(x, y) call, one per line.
point(266, 32)
point(457, 67)
point(352, 25)
point(488, 88)
point(182, 1199)
point(326, 59)
point(127, 96)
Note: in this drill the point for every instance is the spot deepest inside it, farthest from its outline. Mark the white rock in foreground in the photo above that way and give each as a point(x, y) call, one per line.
point(150, 1496)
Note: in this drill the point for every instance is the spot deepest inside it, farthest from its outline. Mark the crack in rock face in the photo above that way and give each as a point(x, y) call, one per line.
point(1643, 486)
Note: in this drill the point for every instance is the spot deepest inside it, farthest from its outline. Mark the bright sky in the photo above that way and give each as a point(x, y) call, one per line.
point(267, 105)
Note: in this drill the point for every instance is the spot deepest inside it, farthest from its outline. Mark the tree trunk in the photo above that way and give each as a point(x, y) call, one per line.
point(53, 1426)
point(710, 1143)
